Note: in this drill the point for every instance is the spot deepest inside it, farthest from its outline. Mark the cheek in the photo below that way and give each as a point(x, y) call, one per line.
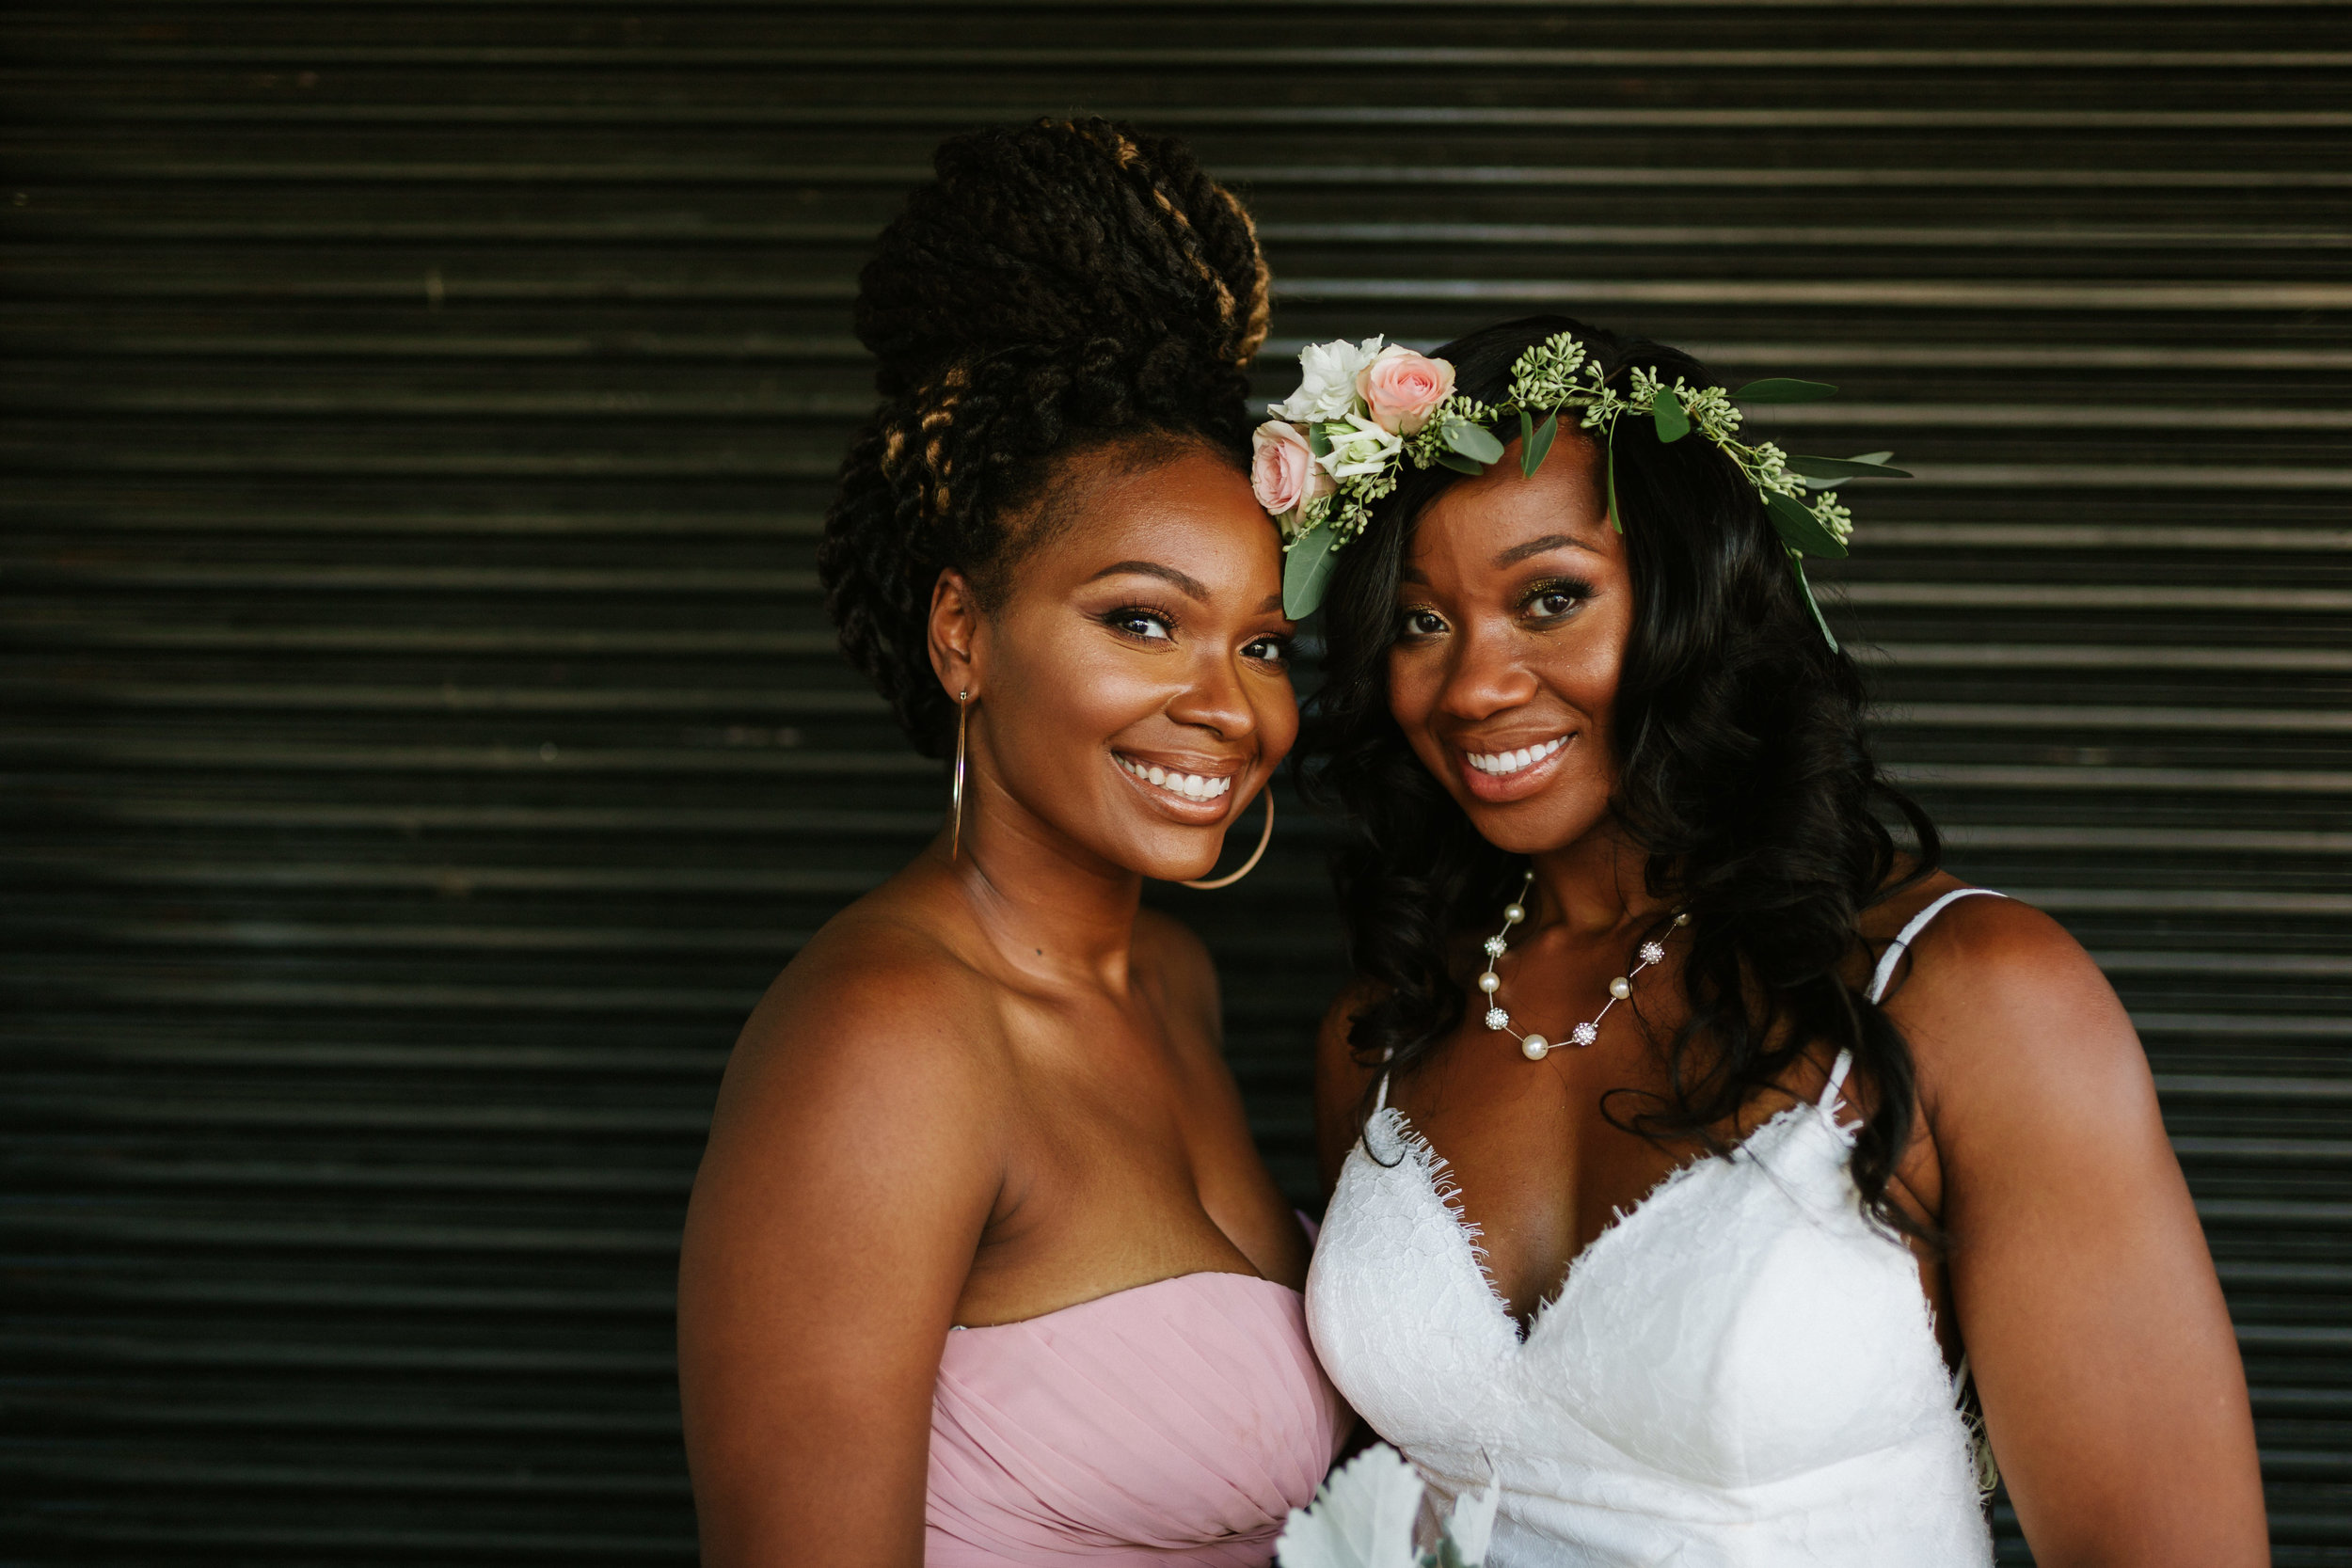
point(1412, 688)
point(1062, 696)
point(1414, 685)
point(1277, 722)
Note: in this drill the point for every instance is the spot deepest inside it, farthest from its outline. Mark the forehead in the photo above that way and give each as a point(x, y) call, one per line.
point(1187, 508)
point(1502, 516)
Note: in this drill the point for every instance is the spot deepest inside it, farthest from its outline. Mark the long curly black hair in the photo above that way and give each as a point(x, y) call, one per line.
point(1744, 777)
point(1059, 287)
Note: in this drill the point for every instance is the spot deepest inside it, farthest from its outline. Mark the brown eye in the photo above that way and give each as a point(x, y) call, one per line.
point(1554, 601)
point(1145, 624)
point(1269, 650)
point(1422, 623)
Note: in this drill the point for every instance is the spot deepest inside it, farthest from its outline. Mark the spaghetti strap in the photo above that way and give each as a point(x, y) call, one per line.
point(1836, 1079)
point(1889, 959)
point(1381, 1103)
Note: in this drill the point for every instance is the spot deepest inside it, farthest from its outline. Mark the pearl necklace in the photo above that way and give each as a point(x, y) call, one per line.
point(1535, 1047)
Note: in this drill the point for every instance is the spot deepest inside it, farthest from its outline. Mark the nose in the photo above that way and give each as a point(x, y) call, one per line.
point(1214, 700)
point(1485, 675)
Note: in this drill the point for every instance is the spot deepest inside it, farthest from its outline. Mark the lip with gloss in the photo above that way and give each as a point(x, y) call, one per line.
point(1188, 791)
point(1505, 774)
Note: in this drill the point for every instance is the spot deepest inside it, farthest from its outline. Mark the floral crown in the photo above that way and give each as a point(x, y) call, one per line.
point(1362, 410)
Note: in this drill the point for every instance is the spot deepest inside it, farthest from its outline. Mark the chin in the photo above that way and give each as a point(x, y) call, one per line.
point(1543, 822)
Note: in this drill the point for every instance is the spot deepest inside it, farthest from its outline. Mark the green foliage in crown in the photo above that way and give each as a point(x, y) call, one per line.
point(1364, 410)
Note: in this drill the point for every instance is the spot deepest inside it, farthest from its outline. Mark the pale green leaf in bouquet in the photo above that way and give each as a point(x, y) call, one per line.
point(1362, 1517)
point(1470, 1526)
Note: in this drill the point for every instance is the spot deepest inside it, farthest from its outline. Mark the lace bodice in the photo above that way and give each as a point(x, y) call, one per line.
point(1742, 1370)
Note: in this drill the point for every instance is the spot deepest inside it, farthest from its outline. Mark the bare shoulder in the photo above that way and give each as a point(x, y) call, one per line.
point(876, 1016)
point(2008, 1016)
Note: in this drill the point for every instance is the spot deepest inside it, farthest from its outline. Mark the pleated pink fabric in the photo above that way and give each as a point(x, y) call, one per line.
point(1177, 1423)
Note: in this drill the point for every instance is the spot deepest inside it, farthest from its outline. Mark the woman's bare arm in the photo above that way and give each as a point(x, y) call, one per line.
point(2094, 1324)
point(853, 1165)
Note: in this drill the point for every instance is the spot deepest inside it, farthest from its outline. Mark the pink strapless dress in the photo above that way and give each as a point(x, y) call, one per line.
point(1177, 1423)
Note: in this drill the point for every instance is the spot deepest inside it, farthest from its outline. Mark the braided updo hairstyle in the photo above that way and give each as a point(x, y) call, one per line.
point(1059, 288)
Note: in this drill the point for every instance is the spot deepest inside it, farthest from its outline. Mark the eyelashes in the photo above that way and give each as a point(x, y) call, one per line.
point(1575, 591)
point(1128, 620)
point(1150, 623)
point(1546, 600)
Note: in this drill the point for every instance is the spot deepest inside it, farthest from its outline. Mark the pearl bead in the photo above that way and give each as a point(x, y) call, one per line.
point(1620, 988)
point(1491, 982)
point(1534, 1048)
point(1514, 913)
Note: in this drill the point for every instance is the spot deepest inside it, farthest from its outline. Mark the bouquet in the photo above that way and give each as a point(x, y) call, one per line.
point(1364, 1516)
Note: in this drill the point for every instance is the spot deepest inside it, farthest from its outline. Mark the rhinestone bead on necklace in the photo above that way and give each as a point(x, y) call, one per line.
point(1532, 1046)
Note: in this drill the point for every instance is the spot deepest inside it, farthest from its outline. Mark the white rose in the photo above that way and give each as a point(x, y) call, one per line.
point(1362, 448)
point(1327, 380)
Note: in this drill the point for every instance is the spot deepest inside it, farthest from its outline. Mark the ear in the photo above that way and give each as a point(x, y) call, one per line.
point(954, 633)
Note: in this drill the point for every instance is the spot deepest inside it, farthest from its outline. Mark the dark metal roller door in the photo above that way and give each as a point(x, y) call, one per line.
point(423, 739)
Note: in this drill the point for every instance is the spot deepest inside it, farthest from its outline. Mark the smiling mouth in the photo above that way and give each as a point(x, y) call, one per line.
point(1184, 786)
point(1502, 765)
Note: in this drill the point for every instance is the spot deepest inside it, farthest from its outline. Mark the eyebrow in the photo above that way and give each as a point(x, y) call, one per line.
point(1193, 587)
point(1517, 553)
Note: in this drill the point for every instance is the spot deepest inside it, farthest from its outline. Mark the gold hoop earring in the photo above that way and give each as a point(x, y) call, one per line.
point(963, 713)
point(1251, 864)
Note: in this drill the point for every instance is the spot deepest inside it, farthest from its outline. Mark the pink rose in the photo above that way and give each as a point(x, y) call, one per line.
point(1402, 388)
point(1283, 470)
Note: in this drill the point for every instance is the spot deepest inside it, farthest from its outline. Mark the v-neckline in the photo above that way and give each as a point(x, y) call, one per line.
point(1435, 1175)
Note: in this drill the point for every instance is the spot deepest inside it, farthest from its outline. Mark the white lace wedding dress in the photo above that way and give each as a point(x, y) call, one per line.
point(1741, 1372)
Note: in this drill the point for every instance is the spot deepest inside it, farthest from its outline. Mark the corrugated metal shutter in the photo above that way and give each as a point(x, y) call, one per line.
point(423, 739)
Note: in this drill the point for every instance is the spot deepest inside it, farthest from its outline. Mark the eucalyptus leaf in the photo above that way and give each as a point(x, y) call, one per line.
point(1871, 466)
point(1539, 446)
point(1805, 588)
point(1780, 388)
point(1666, 408)
point(1800, 529)
point(1527, 437)
point(1318, 442)
point(1472, 441)
point(1307, 570)
point(1612, 467)
point(1461, 464)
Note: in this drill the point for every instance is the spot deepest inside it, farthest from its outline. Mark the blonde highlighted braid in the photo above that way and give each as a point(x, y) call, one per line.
point(1058, 287)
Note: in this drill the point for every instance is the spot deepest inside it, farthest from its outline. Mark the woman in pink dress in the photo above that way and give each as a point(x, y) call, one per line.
point(981, 1265)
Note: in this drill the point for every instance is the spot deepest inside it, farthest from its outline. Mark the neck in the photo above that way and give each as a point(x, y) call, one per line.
point(1594, 885)
point(1045, 905)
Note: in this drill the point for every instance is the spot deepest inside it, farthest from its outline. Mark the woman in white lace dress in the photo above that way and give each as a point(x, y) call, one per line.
point(1767, 1157)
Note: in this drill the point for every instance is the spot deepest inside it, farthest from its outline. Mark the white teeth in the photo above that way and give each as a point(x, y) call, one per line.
point(1192, 786)
point(1511, 762)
